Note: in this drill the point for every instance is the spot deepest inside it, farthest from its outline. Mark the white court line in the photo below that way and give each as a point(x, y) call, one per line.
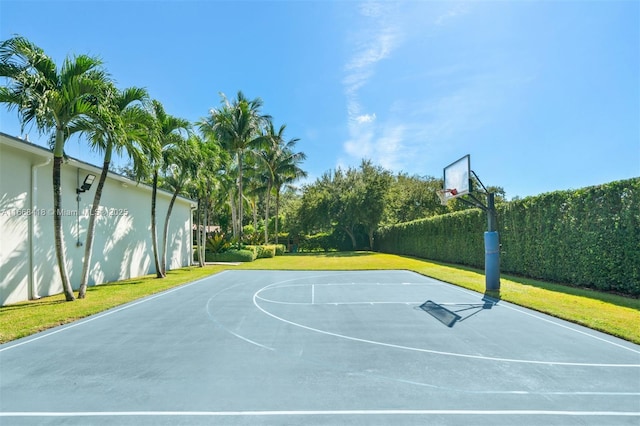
point(410, 348)
point(107, 313)
point(345, 303)
point(556, 323)
point(433, 282)
point(321, 413)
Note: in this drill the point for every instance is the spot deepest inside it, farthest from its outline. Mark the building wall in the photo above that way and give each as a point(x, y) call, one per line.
point(122, 243)
point(15, 183)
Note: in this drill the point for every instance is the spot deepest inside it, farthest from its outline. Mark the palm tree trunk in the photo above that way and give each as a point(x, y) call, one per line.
point(154, 234)
point(240, 204)
point(165, 232)
point(57, 225)
point(88, 246)
point(254, 207)
point(234, 214)
point(203, 249)
point(266, 215)
point(199, 239)
point(277, 211)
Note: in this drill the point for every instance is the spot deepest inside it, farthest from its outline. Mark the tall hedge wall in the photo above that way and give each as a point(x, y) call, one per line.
point(588, 237)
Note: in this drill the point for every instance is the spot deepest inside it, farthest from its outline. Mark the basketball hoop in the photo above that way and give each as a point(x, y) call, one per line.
point(442, 194)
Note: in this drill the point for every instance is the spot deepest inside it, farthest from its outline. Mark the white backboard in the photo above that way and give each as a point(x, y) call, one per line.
point(457, 177)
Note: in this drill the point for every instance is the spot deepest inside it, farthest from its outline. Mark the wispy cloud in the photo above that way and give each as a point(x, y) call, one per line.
point(373, 42)
point(413, 129)
point(456, 10)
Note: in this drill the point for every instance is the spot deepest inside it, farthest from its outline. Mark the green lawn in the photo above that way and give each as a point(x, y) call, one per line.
point(611, 314)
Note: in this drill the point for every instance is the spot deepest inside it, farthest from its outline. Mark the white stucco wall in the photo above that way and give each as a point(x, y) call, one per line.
point(122, 244)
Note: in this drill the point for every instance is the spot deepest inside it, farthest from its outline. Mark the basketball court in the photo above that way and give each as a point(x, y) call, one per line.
point(320, 348)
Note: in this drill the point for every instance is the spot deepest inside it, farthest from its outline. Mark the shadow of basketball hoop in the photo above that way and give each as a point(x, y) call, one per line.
point(458, 312)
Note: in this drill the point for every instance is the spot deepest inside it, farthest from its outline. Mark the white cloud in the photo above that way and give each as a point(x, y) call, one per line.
point(366, 118)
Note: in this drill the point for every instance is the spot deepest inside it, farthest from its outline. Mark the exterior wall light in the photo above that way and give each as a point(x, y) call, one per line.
point(86, 185)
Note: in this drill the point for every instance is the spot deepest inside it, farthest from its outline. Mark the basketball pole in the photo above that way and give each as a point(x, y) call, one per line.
point(457, 177)
point(491, 248)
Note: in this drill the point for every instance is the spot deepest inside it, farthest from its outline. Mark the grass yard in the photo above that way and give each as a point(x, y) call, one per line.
point(612, 314)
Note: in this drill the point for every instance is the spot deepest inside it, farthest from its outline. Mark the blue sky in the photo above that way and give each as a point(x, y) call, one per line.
point(544, 95)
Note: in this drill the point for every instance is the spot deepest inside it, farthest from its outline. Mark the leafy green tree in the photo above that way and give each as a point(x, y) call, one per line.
point(375, 183)
point(290, 203)
point(412, 197)
point(334, 201)
point(54, 98)
point(314, 212)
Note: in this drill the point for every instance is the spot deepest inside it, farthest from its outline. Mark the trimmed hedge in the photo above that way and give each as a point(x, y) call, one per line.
point(249, 253)
point(232, 255)
point(588, 237)
point(456, 238)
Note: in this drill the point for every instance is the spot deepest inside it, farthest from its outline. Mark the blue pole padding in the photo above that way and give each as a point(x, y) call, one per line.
point(492, 260)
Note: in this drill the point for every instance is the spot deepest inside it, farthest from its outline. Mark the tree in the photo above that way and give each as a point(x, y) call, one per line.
point(346, 200)
point(376, 182)
point(412, 197)
point(281, 168)
point(120, 124)
point(254, 186)
point(331, 203)
point(208, 179)
point(168, 131)
point(181, 165)
point(55, 99)
point(237, 126)
point(287, 171)
point(313, 211)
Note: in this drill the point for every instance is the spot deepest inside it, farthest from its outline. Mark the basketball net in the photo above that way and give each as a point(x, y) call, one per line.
point(442, 194)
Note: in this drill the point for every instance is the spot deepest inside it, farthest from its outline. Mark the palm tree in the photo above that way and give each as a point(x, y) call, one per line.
point(168, 132)
point(237, 126)
point(281, 167)
point(287, 170)
point(181, 165)
point(254, 185)
point(121, 125)
point(206, 181)
point(55, 99)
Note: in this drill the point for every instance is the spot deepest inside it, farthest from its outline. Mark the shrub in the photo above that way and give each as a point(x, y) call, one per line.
point(266, 251)
point(263, 251)
point(252, 248)
point(231, 256)
point(217, 244)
